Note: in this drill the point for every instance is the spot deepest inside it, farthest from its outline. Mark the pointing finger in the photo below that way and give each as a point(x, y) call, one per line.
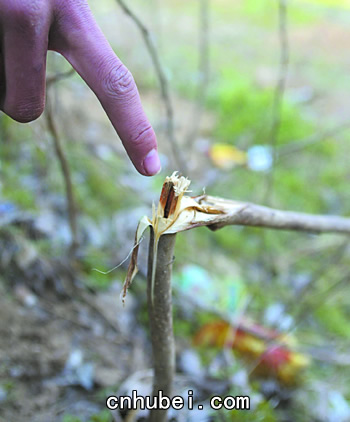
point(91, 55)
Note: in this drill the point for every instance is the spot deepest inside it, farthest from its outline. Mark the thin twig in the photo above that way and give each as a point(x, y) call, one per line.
point(72, 216)
point(294, 147)
point(163, 83)
point(156, 13)
point(279, 92)
point(306, 307)
point(161, 320)
point(203, 72)
point(328, 263)
point(248, 214)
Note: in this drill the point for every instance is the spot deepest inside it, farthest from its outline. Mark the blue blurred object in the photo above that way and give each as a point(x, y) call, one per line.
point(7, 208)
point(225, 294)
point(260, 158)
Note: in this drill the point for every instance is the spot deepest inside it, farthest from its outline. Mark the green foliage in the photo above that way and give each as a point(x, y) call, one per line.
point(103, 416)
point(263, 412)
point(96, 183)
point(245, 112)
point(264, 13)
point(333, 319)
point(20, 196)
point(71, 418)
point(14, 187)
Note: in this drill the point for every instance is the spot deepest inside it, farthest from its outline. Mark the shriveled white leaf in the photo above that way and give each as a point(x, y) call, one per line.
point(132, 269)
point(141, 227)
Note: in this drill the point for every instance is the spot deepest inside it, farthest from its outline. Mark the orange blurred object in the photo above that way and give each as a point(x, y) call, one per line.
point(227, 156)
point(269, 351)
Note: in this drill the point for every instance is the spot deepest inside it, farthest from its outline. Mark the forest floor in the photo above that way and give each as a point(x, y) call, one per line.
point(57, 354)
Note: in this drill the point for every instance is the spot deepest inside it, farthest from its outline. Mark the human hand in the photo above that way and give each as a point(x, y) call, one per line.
point(28, 28)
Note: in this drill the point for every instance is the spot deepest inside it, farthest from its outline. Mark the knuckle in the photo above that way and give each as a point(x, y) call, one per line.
point(119, 82)
point(144, 135)
point(27, 15)
point(71, 11)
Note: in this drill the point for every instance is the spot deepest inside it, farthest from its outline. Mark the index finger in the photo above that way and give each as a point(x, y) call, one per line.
point(88, 51)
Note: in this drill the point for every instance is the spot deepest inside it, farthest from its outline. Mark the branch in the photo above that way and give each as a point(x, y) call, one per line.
point(307, 307)
point(294, 147)
point(72, 217)
point(247, 214)
point(177, 212)
point(203, 72)
point(161, 320)
point(163, 83)
point(279, 91)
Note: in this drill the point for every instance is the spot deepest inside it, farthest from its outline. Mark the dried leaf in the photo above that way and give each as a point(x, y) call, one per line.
point(177, 212)
point(132, 268)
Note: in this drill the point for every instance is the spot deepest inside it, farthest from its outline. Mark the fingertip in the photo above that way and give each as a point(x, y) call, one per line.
point(151, 163)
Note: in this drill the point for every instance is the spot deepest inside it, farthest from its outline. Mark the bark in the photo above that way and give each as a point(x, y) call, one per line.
point(161, 320)
point(260, 216)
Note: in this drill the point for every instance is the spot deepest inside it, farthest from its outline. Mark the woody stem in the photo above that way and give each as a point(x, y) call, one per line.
point(161, 319)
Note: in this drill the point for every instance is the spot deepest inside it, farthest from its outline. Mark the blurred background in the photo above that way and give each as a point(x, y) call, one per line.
point(250, 100)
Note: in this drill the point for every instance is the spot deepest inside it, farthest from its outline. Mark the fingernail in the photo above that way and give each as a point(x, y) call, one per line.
point(151, 163)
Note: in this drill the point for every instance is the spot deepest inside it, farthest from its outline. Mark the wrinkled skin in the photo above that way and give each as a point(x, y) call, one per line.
point(28, 28)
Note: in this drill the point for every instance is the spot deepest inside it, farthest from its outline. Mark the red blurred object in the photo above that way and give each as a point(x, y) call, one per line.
point(269, 351)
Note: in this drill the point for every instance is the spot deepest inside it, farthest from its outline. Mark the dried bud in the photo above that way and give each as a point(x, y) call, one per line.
point(175, 213)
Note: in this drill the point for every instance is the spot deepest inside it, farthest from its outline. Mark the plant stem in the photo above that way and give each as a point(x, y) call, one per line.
point(161, 320)
point(67, 178)
point(247, 214)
